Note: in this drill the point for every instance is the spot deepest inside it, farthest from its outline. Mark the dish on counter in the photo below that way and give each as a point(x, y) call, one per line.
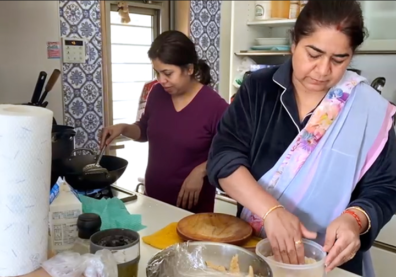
point(214, 227)
point(191, 259)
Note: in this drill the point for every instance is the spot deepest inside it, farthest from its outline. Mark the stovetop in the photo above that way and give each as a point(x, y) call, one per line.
point(111, 192)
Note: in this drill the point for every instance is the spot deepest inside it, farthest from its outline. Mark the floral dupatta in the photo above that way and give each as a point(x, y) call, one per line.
point(315, 177)
point(292, 178)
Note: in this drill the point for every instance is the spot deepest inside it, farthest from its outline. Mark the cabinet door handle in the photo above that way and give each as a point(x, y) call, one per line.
point(385, 246)
point(117, 147)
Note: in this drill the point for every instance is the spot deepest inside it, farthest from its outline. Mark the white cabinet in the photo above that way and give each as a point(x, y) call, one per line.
point(377, 15)
point(225, 206)
point(384, 262)
point(239, 31)
point(383, 252)
point(388, 233)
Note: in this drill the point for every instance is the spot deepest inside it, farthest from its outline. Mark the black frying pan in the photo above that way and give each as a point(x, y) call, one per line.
point(72, 169)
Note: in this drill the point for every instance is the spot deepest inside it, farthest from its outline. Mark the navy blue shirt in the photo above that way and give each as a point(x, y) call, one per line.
point(263, 121)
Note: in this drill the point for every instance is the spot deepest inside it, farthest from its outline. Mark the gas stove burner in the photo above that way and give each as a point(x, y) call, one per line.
point(97, 193)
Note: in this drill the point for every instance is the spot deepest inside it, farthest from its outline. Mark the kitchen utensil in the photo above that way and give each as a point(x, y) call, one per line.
point(193, 255)
point(311, 250)
point(72, 169)
point(45, 104)
point(96, 168)
point(124, 245)
point(50, 84)
point(378, 84)
point(39, 87)
point(214, 227)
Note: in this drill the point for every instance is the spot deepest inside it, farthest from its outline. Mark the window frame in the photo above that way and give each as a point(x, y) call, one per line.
point(161, 11)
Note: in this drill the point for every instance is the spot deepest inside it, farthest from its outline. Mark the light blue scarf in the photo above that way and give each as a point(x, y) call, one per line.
point(320, 189)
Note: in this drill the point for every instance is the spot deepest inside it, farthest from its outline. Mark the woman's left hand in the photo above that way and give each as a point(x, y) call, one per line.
point(190, 190)
point(342, 241)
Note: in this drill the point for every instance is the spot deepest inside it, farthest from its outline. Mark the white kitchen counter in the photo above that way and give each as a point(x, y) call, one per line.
point(156, 215)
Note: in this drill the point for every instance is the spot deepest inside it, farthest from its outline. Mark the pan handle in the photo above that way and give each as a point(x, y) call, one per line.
point(82, 149)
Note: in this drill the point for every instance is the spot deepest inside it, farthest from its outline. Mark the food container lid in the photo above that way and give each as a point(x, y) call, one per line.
point(88, 224)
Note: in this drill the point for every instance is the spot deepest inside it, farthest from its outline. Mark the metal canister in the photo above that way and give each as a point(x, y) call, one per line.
point(125, 246)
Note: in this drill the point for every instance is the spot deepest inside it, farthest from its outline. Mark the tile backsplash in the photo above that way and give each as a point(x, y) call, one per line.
point(82, 83)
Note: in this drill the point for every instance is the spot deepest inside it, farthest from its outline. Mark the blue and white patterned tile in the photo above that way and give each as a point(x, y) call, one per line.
point(91, 122)
point(72, 13)
point(205, 32)
point(77, 107)
point(204, 17)
point(86, 28)
point(68, 93)
point(81, 137)
point(82, 83)
point(90, 92)
point(197, 6)
point(204, 42)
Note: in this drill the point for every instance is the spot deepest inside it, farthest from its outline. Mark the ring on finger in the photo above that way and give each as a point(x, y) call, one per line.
point(298, 242)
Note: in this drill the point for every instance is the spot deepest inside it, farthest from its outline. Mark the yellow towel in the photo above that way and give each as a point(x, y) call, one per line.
point(168, 236)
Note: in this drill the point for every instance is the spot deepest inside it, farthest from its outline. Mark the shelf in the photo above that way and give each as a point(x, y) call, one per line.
point(273, 23)
point(262, 53)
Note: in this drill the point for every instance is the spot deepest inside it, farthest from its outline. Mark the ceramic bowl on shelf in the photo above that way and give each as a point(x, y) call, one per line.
point(272, 41)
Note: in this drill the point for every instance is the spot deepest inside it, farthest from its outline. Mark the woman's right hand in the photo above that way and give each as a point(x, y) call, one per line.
point(285, 232)
point(110, 133)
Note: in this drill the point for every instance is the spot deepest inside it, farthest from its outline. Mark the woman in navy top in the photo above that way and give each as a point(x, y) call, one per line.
point(308, 148)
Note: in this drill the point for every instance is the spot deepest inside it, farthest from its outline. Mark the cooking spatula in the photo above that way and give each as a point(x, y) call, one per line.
point(96, 168)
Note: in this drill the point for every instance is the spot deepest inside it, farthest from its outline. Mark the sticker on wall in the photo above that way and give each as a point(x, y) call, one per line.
point(53, 50)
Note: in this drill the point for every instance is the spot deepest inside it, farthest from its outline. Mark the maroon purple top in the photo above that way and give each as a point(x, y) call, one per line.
point(178, 142)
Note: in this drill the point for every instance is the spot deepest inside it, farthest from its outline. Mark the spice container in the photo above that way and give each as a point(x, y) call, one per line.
point(125, 246)
point(262, 10)
point(280, 9)
point(294, 9)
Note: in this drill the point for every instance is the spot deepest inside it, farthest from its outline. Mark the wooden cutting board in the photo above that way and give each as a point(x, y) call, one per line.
point(214, 227)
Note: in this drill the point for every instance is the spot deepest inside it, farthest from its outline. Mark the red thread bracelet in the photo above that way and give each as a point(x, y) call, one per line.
point(352, 213)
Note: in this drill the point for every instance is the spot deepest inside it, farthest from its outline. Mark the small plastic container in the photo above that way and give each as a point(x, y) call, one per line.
point(311, 250)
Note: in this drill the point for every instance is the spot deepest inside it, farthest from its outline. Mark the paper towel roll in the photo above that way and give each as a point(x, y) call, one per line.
point(25, 165)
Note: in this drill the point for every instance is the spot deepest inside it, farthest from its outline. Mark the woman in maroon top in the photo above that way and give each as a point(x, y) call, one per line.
point(179, 123)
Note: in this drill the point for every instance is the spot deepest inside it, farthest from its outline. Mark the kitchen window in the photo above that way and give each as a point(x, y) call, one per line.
point(126, 69)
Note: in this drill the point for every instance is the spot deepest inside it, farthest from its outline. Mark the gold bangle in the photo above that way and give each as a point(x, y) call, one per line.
point(271, 210)
point(366, 215)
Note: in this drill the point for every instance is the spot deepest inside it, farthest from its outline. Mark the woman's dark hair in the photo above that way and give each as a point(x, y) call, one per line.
point(174, 47)
point(345, 15)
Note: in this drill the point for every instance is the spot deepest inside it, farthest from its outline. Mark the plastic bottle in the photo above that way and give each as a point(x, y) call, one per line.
point(63, 215)
point(280, 9)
